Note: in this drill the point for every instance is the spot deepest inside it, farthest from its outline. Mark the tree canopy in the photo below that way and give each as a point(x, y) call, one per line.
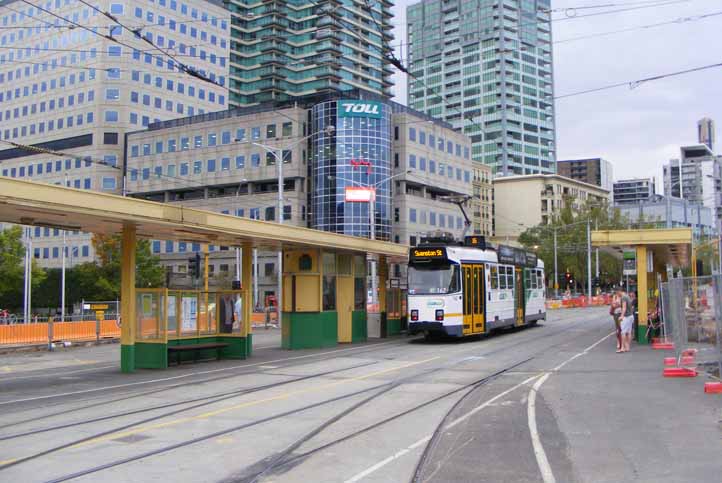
point(571, 228)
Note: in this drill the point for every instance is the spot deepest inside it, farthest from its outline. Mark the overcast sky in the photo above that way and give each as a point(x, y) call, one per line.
point(636, 130)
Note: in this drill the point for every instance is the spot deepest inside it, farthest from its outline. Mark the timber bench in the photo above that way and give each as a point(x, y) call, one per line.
point(197, 348)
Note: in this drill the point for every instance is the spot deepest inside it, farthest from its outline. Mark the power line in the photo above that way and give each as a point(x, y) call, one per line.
point(636, 83)
point(656, 3)
point(188, 70)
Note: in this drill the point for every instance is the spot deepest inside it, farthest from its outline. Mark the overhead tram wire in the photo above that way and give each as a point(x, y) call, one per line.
point(677, 21)
point(187, 69)
point(184, 68)
point(636, 83)
point(38, 150)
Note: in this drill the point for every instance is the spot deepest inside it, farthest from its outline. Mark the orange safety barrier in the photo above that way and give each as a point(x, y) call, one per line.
point(260, 317)
point(26, 334)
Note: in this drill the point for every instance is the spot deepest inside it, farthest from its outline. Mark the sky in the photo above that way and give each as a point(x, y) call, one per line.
point(640, 129)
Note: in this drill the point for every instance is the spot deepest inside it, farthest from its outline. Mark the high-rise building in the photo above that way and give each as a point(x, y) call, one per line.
point(285, 49)
point(596, 171)
point(696, 176)
point(485, 66)
point(705, 132)
point(76, 93)
point(635, 190)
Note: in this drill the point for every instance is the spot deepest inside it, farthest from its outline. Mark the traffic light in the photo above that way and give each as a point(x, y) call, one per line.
point(194, 266)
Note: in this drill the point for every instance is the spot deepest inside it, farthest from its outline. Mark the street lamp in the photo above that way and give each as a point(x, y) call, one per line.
point(277, 153)
point(372, 220)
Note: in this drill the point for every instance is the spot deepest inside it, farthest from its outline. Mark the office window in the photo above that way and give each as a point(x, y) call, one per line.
point(225, 164)
point(226, 137)
point(270, 131)
point(240, 162)
point(255, 160)
point(412, 161)
point(211, 166)
point(412, 134)
point(168, 246)
point(156, 246)
point(197, 167)
point(184, 169)
point(111, 116)
point(108, 183)
point(212, 139)
point(255, 133)
point(287, 129)
point(112, 94)
point(412, 215)
point(198, 142)
point(240, 134)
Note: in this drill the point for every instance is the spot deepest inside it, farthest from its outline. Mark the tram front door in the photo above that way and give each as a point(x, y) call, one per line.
point(473, 298)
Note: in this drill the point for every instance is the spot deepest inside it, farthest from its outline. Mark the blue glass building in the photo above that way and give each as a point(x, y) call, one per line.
point(357, 152)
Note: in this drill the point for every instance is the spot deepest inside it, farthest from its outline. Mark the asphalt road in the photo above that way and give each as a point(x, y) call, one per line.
point(550, 403)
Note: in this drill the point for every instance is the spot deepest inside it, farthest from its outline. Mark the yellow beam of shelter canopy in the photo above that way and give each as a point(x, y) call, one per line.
point(40, 204)
point(672, 245)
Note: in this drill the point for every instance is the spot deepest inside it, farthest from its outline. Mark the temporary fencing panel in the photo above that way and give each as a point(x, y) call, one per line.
point(692, 314)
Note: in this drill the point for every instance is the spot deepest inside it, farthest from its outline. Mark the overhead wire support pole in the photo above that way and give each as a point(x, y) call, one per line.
point(589, 261)
point(556, 273)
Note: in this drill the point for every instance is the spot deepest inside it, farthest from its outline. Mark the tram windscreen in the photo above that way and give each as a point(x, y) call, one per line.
point(434, 279)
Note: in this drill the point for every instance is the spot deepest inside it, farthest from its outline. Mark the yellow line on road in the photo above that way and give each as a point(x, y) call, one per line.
point(217, 412)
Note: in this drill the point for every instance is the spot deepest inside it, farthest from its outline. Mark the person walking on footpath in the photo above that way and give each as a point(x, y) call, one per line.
point(615, 310)
point(627, 313)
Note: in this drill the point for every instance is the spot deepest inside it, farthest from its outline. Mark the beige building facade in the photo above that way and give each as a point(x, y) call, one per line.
point(522, 202)
point(483, 201)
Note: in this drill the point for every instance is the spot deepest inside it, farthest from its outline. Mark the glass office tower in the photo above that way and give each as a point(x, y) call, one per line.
point(356, 153)
point(291, 48)
point(486, 67)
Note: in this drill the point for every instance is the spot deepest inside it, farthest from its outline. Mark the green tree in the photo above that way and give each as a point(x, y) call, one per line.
point(148, 270)
point(571, 228)
point(12, 269)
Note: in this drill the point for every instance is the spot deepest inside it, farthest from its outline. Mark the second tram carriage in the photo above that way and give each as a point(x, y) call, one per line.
point(459, 290)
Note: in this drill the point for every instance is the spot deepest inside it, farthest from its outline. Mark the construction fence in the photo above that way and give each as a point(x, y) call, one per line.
point(692, 321)
point(580, 301)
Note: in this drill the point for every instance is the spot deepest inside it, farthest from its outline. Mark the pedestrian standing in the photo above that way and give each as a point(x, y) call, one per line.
point(615, 310)
point(627, 322)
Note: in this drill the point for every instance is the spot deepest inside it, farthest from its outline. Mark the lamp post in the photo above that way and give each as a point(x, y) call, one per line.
point(372, 220)
point(277, 153)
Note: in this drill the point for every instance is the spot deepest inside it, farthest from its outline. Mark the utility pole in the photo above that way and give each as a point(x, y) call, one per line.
point(596, 254)
point(556, 275)
point(279, 288)
point(62, 276)
point(589, 261)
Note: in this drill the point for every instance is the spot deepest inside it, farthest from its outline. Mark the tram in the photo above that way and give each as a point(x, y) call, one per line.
point(469, 288)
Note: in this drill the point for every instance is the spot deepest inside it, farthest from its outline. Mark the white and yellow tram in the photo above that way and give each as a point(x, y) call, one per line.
point(460, 290)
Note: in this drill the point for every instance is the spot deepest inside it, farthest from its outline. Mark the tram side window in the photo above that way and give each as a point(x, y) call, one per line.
point(510, 278)
point(494, 277)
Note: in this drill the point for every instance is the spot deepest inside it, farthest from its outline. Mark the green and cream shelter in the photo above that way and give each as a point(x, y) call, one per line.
point(324, 273)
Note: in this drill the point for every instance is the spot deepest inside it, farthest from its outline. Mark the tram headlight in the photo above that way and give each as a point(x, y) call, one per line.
point(439, 315)
point(414, 315)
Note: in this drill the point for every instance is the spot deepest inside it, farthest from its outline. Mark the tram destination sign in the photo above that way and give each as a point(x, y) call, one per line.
point(427, 254)
point(356, 108)
point(516, 256)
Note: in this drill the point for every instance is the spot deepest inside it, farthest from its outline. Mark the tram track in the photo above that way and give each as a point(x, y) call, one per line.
point(297, 459)
point(210, 399)
point(246, 369)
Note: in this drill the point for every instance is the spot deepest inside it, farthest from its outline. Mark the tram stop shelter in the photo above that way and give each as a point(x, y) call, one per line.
point(324, 274)
point(655, 250)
